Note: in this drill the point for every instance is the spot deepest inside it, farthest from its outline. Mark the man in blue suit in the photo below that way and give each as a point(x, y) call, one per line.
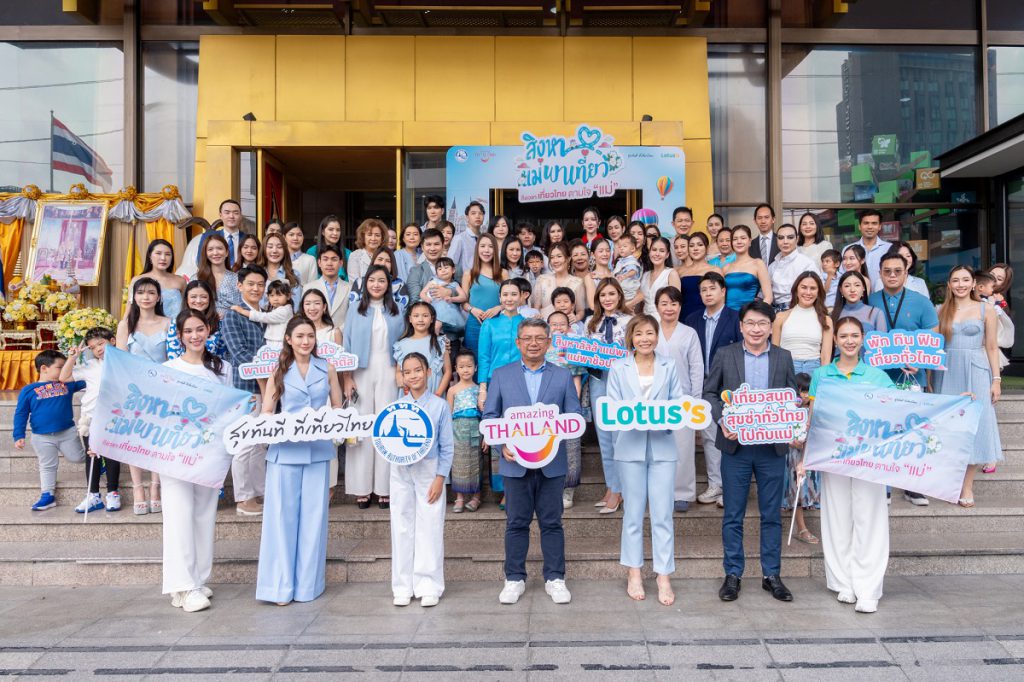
point(717, 327)
point(527, 382)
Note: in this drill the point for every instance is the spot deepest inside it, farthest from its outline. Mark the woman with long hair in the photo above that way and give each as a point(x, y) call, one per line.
point(811, 237)
point(607, 325)
point(714, 224)
point(275, 259)
point(745, 277)
point(303, 264)
point(143, 332)
point(385, 257)
point(513, 258)
point(198, 296)
point(329, 233)
point(313, 305)
point(852, 301)
point(559, 262)
point(249, 250)
point(190, 510)
point(855, 259)
point(481, 283)
point(660, 275)
point(371, 330)
point(854, 513)
point(614, 227)
point(690, 274)
point(293, 545)
point(500, 227)
point(914, 283)
point(1004, 282)
point(602, 251)
point(214, 271)
point(553, 233)
point(646, 459)
point(160, 266)
point(970, 328)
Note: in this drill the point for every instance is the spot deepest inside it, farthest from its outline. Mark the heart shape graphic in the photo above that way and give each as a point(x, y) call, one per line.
point(588, 136)
point(192, 408)
point(540, 160)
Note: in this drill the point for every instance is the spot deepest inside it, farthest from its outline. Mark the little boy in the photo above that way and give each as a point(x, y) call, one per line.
point(448, 310)
point(563, 299)
point(627, 267)
point(534, 266)
point(830, 261)
point(47, 404)
point(96, 340)
point(524, 297)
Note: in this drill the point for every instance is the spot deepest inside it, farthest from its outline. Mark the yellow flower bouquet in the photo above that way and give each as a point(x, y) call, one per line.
point(20, 312)
point(34, 292)
point(73, 326)
point(58, 303)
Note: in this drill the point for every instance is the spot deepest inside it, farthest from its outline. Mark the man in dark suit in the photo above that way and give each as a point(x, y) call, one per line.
point(764, 245)
point(717, 327)
point(527, 382)
point(759, 364)
point(231, 229)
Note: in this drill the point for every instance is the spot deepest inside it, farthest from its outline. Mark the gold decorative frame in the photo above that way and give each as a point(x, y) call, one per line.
point(94, 227)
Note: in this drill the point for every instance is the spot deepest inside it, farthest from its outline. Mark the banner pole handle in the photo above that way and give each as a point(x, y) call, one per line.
point(792, 521)
point(88, 481)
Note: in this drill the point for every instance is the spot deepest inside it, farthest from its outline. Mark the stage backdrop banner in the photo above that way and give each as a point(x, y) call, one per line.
point(164, 420)
point(913, 441)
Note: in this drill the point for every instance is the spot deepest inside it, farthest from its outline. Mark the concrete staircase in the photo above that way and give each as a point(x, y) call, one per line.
point(55, 547)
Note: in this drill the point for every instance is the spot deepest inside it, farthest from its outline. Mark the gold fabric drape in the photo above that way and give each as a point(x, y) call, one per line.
point(10, 246)
point(17, 368)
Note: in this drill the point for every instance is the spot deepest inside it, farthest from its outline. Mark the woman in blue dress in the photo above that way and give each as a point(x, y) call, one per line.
point(481, 282)
point(852, 301)
point(746, 277)
point(293, 546)
point(691, 274)
point(972, 366)
point(160, 266)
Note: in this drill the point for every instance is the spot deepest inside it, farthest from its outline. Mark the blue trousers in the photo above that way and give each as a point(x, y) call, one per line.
point(806, 366)
point(605, 440)
point(648, 483)
point(534, 493)
point(769, 470)
point(293, 546)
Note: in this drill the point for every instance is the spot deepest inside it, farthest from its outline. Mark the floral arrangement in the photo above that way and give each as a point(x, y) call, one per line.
point(73, 326)
point(34, 292)
point(21, 311)
point(59, 303)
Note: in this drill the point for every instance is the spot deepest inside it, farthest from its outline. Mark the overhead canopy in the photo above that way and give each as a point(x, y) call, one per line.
point(999, 151)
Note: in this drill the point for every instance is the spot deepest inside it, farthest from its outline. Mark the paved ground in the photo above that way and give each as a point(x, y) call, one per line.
point(935, 628)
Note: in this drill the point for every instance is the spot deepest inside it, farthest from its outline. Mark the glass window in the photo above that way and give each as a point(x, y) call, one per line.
point(941, 237)
point(736, 81)
point(65, 121)
point(1015, 231)
point(924, 14)
point(170, 86)
point(864, 124)
point(1006, 83)
point(424, 175)
point(247, 189)
point(1005, 15)
point(175, 12)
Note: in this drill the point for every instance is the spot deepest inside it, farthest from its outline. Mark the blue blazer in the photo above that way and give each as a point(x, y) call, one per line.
point(508, 389)
point(313, 391)
point(623, 384)
point(726, 333)
point(355, 337)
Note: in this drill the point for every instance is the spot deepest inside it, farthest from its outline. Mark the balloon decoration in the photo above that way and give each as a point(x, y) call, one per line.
point(665, 186)
point(646, 216)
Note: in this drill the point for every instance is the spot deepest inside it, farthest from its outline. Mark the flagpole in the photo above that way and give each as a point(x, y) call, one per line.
point(51, 151)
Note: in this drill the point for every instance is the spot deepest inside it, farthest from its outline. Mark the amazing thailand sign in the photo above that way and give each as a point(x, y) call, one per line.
point(532, 434)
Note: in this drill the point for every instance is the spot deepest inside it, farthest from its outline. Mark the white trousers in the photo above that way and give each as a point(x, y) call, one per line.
point(365, 471)
point(249, 470)
point(712, 455)
point(417, 532)
point(854, 535)
point(686, 471)
point(189, 518)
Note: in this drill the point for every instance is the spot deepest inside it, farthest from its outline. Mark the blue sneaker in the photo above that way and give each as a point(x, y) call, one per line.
point(91, 503)
point(45, 501)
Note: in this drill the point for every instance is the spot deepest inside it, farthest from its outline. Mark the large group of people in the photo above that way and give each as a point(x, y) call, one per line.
point(461, 322)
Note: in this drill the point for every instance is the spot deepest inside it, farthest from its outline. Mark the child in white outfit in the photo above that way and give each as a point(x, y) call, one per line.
point(627, 267)
point(279, 295)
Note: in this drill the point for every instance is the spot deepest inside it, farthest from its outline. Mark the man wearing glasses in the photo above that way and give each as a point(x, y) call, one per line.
point(903, 309)
point(527, 382)
point(756, 362)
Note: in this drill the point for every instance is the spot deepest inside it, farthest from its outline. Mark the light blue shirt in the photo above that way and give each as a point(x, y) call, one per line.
point(533, 378)
point(873, 261)
point(443, 449)
point(755, 368)
point(710, 324)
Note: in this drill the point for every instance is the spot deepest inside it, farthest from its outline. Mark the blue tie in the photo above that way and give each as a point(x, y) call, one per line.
point(231, 251)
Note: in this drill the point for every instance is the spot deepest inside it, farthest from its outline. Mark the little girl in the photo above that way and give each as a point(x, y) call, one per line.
point(462, 398)
point(420, 336)
point(448, 309)
point(417, 510)
point(279, 296)
point(558, 322)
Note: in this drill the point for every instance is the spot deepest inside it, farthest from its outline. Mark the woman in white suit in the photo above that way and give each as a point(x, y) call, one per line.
point(646, 459)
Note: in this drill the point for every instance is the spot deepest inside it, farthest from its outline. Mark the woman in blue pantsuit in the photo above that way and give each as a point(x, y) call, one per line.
point(293, 547)
point(646, 460)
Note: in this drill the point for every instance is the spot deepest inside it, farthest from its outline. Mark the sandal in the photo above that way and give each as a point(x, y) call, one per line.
point(458, 506)
point(156, 506)
point(635, 590)
point(140, 506)
point(988, 469)
point(363, 502)
point(473, 504)
point(501, 505)
point(808, 537)
point(666, 597)
point(966, 502)
point(384, 502)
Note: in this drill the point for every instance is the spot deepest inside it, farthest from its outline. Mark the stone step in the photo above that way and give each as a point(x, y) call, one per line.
point(20, 524)
point(367, 560)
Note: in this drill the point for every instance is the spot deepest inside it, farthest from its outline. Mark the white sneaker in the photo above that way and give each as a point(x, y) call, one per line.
point(429, 600)
point(512, 591)
point(567, 496)
point(194, 601)
point(113, 501)
point(846, 598)
point(711, 495)
point(401, 601)
point(207, 592)
point(558, 592)
point(178, 599)
point(916, 499)
point(92, 502)
point(866, 606)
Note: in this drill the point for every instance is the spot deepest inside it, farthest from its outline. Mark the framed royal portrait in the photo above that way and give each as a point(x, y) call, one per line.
point(68, 239)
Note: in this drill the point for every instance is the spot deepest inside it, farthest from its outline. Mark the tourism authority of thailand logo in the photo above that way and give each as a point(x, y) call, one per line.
point(403, 433)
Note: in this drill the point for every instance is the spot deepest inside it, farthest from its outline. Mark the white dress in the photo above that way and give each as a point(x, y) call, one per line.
point(365, 471)
point(651, 290)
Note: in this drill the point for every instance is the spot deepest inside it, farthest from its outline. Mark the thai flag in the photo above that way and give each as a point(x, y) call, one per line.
point(72, 155)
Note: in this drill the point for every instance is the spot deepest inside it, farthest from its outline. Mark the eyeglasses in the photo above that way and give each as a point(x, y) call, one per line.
point(757, 324)
point(890, 271)
point(533, 339)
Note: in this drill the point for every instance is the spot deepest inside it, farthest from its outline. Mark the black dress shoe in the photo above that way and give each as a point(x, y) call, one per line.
point(773, 584)
point(730, 590)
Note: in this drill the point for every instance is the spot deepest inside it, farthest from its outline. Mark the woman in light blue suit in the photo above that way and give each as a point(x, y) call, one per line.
point(646, 460)
point(293, 547)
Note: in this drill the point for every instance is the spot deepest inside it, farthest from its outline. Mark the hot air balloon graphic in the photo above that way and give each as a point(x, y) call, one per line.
point(665, 186)
point(646, 216)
